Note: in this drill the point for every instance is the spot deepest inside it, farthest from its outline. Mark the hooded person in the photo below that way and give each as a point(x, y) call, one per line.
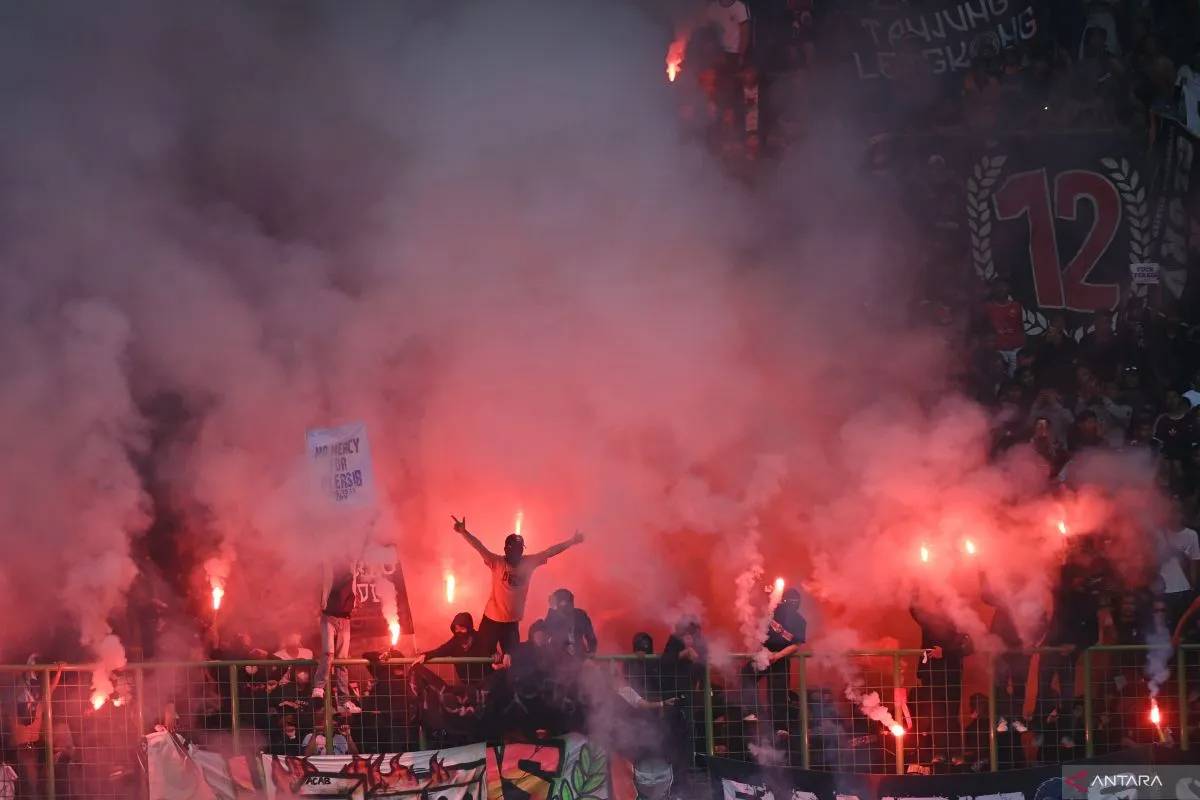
point(464, 642)
point(511, 573)
point(569, 628)
point(786, 631)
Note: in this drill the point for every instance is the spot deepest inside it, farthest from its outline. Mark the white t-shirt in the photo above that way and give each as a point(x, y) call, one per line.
point(1175, 547)
point(728, 21)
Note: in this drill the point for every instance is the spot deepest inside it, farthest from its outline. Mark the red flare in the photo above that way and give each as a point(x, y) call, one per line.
point(897, 729)
point(451, 585)
point(1155, 715)
point(675, 55)
point(98, 701)
point(217, 594)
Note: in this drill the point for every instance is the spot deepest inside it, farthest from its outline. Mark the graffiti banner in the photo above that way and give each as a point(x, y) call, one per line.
point(454, 774)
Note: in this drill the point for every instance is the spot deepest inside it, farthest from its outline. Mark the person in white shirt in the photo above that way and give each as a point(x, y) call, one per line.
point(1178, 552)
point(732, 21)
point(1192, 395)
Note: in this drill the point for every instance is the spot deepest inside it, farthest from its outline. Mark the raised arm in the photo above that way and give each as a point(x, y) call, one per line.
point(553, 550)
point(460, 525)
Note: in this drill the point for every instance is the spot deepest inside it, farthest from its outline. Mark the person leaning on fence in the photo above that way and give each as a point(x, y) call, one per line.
point(786, 631)
point(23, 719)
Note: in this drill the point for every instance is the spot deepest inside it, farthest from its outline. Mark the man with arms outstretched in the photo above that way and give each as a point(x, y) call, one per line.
point(510, 585)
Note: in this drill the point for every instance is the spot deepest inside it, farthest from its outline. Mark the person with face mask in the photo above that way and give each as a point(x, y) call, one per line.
point(785, 633)
point(569, 628)
point(464, 642)
point(511, 572)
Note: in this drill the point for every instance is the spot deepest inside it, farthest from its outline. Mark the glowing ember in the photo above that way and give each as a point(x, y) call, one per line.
point(924, 554)
point(98, 701)
point(117, 702)
point(897, 729)
point(518, 522)
point(217, 594)
point(1155, 715)
point(675, 58)
point(450, 585)
point(1062, 527)
point(779, 584)
point(969, 547)
point(394, 630)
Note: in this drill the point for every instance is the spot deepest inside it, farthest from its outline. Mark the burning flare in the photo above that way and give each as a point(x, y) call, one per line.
point(450, 585)
point(1062, 527)
point(969, 547)
point(1155, 715)
point(394, 630)
point(924, 554)
point(217, 594)
point(675, 58)
point(779, 584)
point(897, 729)
point(518, 522)
point(98, 701)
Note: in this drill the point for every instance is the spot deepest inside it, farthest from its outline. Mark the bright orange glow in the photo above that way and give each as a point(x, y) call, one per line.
point(675, 58)
point(217, 594)
point(1155, 715)
point(779, 584)
point(969, 547)
point(450, 586)
point(924, 554)
point(98, 701)
point(897, 729)
point(518, 522)
point(394, 630)
point(117, 702)
point(1062, 527)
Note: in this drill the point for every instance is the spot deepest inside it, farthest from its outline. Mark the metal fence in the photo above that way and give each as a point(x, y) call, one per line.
point(823, 712)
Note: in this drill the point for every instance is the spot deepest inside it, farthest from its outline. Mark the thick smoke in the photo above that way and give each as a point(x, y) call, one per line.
point(481, 229)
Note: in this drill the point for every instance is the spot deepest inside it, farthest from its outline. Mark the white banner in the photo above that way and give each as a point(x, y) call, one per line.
point(342, 459)
point(456, 773)
point(1144, 273)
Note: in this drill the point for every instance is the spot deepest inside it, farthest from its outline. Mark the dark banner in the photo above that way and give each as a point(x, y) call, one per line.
point(736, 780)
point(1067, 219)
point(883, 40)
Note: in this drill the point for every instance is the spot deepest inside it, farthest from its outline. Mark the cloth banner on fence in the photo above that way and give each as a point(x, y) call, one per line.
point(342, 459)
point(457, 773)
point(173, 772)
point(737, 780)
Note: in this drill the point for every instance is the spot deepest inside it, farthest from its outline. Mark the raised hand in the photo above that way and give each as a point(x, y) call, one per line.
point(460, 525)
point(577, 538)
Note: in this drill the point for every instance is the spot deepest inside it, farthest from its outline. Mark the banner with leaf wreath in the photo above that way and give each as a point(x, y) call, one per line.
point(1062, 218)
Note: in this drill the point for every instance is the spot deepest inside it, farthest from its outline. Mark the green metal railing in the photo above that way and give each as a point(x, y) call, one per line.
point(1112, 689)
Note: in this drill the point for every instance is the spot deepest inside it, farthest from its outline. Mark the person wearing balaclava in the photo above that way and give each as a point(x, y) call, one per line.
point(786, 631)
point(511, 572)
point(464, 642)
point(569, 628)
